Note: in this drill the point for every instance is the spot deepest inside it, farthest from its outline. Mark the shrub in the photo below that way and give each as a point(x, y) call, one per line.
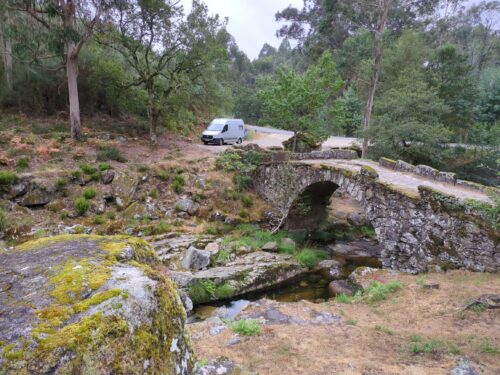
point(4, 220)
point(88, 169)
point(246, 200)
point(89, 193)
point(61, 184)
point(224, 291)
point(76, 174)
point(154, 193)
point(22, 164)
point(310, 257)
point(81, 206)
point(242, 182)
point(98, 220)
point(163, 175)
point(178, 183)
point(104, 166)
point(246, 327)
point(105, 153)
point(7, 178)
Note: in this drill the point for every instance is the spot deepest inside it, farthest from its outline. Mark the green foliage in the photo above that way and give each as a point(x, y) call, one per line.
point(76, 174)
point(22, 164)
point(418, 346)
point(7, 178)
point(490, 210)
point(4, 220)
point(246, 200)
point(178, 183)
point(310, 257)
point(98, 220)
point(88, 169)
point(105, 153)
point(89, 193)
point(154, 193)
point(61, 184)
point(206, 290)
point(300, 102)
point(375, 292)
point(81, 206)
point(222, 257)
point(246, 327)
point(104, 166)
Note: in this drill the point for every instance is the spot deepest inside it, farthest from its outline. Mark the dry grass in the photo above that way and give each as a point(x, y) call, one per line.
point(380, 341)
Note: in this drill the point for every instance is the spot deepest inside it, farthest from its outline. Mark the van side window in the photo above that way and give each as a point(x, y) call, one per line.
point(224, 129)
point(240, 127)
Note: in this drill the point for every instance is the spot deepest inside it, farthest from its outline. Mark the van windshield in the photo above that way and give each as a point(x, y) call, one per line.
point(215, 126)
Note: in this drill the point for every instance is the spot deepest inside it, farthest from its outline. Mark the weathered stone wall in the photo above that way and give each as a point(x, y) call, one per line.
point(433, 174)
point(416, 231)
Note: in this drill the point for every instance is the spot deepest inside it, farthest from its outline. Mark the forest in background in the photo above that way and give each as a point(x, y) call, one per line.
point(433, 67)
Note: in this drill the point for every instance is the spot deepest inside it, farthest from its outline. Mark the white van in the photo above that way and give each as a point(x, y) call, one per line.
point(224, 130)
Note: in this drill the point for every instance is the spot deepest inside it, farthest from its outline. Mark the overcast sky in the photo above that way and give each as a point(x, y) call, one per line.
point(251, 22)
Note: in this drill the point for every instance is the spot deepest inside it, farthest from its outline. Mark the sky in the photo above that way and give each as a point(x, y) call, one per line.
point(251, 22)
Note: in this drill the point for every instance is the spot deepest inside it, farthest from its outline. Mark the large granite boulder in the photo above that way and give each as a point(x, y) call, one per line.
point(86, 304)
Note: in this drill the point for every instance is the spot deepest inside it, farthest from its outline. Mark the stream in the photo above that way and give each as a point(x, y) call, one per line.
point(312, 287)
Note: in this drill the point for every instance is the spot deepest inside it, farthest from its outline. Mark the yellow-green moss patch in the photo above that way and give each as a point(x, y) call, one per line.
point(9, 352)
point(96, 299)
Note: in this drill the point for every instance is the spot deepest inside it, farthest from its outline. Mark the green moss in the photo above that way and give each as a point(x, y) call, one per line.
point(76, 277)
point(7, 178)
point(96, 299)
point(371, 172)
point(389, 160)
point(9, 352)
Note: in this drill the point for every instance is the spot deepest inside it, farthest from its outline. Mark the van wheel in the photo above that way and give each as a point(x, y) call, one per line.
point(239, 141)
point(221, 142)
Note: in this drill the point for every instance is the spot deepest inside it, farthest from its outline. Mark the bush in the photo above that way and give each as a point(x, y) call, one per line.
point(22, 164)
point(81, 206)
point(178, 183)
point(154, 193)
point(61, 184)
point(246, 327)
point(98, 220)
point(89, 193)
point(310, 257)
point(105, 153)
point(4, 220)
point(224, 291)
point(242, 182)
point(104, 166)
point(76, 174)
point(88, 169)
point(7, 178)
point(246, 200)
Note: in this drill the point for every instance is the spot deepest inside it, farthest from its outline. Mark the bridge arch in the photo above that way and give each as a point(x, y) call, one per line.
point(415, 230)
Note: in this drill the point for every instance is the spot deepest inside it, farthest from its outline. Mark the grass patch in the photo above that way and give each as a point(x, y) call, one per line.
point(98, 220)
point(4, 220)
point(418, 345)
point(88, 169)
point(384, 330)
point(7, 178)
point(22, 164)
point(310, 257)
point(81, 206)
point(178, 183)
point(488, 348)
point(246, 327)
point(104, 166)
point(89, 193)
point(375, 292)
point(105, 153)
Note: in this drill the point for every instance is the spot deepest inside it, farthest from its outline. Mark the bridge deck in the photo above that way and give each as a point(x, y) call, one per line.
point(404, 181)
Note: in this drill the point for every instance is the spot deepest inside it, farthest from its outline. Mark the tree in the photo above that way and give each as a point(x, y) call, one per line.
point(379, 47)
point(72, 22)
point(407, 120)
point(295, 101)
point(452, 75)
point(6, 46)
point(164, 50)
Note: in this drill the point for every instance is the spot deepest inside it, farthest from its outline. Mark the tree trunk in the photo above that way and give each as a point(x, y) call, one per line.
point(379, 35)
point(6, 45)
point(74, 101)
point(155, 114)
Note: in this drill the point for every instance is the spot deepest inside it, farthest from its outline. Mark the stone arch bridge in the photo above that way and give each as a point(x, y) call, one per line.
point(417, 228)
